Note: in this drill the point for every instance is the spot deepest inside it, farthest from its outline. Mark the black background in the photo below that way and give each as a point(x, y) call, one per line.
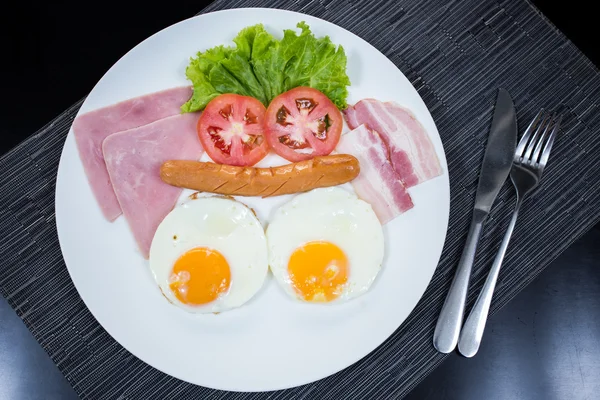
point(54, 53)
point(543, 345)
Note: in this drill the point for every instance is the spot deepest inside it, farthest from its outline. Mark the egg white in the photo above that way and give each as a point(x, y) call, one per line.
point(333, 215)
point(218, 223)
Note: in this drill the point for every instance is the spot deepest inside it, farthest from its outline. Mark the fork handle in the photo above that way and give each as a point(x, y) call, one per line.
point(472, 331)
point(448, 325)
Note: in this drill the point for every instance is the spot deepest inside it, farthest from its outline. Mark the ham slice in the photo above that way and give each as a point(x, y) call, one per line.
point(92, 128)
point(378, 183)
point(411, 151)
point(133, 159)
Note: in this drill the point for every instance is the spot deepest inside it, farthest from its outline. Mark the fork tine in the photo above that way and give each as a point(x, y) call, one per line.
point(548, 147)
point(534, 138)
point(527, 134)
point(540, 143)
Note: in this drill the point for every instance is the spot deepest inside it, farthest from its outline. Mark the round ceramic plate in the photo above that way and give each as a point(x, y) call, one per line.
point(272, 342)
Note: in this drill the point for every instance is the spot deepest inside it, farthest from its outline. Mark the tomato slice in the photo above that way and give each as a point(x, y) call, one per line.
point(231, 130)
point(302, 123)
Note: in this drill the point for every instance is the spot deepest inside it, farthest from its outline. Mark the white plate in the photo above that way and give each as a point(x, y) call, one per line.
point(272, 342)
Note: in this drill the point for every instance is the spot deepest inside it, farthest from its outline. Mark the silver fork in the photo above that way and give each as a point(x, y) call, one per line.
point(531, 156)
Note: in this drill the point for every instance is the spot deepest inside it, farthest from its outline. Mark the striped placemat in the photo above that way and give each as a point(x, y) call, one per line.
point(456, 54)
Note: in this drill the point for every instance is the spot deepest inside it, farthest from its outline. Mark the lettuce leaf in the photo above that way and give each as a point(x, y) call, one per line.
point(269, 64)
point(198, 71)
point(316, 63)
point(263, 67)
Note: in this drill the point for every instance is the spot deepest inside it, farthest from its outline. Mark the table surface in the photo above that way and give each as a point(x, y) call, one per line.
point(543, 345)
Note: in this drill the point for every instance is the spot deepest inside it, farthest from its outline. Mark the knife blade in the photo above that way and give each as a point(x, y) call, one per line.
point(499, 153)
point(497, 161)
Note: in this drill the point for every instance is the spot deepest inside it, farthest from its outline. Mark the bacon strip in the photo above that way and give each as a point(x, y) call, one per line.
point(350, 114)
point(411, 151)
point(378, 183)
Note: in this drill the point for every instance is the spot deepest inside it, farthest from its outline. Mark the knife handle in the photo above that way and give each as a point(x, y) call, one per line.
point(449, 322)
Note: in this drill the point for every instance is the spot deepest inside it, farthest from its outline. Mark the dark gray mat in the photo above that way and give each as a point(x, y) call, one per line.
point(456, 54)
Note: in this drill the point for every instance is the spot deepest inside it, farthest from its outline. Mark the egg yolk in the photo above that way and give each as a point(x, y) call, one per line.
point(199, 276)
point(318, 271)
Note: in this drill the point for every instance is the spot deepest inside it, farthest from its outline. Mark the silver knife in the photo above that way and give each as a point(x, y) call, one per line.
point(497, 162)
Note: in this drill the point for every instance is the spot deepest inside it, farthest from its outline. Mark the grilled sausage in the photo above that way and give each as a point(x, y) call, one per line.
point(297, 177)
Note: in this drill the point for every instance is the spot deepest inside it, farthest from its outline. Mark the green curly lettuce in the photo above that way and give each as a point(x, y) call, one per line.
point(263, 67)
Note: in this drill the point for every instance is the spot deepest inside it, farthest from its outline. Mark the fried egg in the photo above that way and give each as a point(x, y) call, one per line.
point(209, 255)
point(325, 245)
